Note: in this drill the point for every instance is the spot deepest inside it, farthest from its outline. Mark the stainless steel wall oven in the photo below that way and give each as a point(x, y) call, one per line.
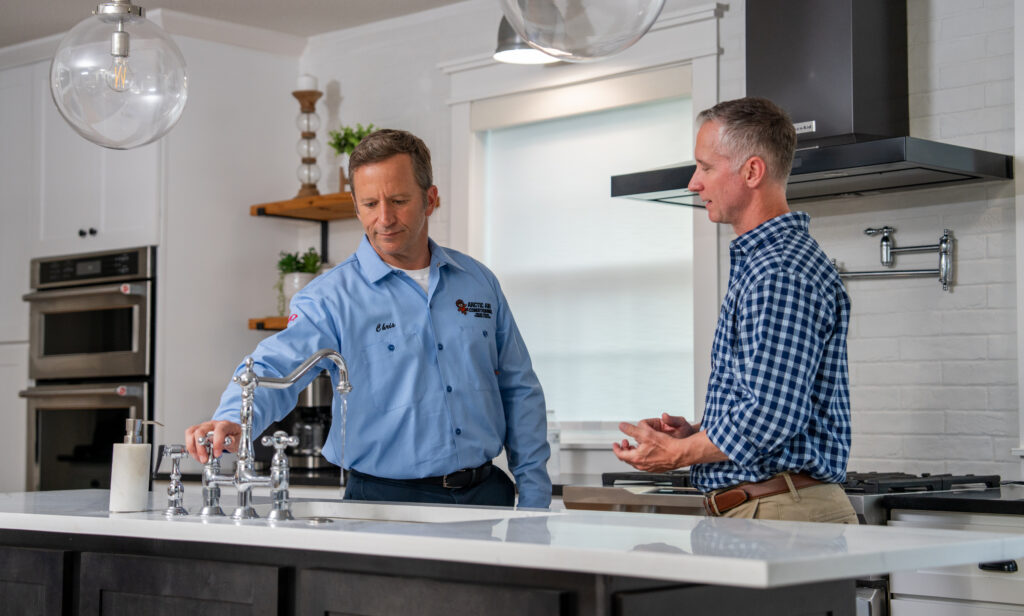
point(91, 354)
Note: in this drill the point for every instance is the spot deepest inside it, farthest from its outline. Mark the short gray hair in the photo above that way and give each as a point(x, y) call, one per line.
point(755, 127)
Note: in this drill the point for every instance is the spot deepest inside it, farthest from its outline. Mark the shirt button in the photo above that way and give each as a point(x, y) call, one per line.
point(449, 388)
point(391, 347)
point(440, 347)
point(458, 430)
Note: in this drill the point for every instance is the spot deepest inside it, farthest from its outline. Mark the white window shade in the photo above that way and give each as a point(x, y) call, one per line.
point(601, 288)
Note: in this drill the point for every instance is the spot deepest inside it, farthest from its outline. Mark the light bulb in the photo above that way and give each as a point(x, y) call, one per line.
point(120, 75)
point(114, 94)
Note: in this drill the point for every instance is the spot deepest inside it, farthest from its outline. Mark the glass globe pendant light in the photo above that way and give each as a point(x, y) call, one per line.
point(118, 79)
point(581, 30)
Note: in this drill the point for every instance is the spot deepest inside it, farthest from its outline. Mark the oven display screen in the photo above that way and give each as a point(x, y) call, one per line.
point(88, 331)
point(88, 268)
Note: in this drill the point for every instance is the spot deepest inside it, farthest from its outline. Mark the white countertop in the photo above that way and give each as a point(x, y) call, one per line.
point(758, 554)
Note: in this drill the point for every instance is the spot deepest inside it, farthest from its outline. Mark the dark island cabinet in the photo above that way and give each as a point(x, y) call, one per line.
point(32, 581)
point(334, 592)
point(124, 584)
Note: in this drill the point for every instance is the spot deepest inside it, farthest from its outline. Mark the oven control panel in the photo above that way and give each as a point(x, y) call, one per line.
point(129, 264)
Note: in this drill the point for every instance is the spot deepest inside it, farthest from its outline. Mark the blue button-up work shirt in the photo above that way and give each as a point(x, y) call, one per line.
point(778, 398)
point(441, 380)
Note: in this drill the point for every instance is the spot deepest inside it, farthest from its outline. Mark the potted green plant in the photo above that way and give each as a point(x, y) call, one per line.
point(343, 141)
point(296, 270)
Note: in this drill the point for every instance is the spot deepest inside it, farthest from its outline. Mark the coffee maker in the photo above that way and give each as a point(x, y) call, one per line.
point(310, 421)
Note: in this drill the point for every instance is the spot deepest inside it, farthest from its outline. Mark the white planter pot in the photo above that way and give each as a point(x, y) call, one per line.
point(292, 284)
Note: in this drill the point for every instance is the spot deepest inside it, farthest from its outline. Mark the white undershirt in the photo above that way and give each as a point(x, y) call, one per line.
point(421, 276)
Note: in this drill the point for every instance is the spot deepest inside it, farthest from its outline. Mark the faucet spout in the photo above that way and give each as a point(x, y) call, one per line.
point(245, 476)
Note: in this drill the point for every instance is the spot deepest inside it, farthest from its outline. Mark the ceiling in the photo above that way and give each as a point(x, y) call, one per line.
point(26, 20)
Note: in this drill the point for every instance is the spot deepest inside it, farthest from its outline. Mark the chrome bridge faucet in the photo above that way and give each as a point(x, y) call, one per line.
point(245, 477)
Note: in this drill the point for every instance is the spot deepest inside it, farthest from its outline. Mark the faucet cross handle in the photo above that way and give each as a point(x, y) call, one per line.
point(280, 440)
point(206, 441)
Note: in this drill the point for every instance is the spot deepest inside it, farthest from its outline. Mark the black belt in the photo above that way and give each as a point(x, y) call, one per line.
point(464, 478)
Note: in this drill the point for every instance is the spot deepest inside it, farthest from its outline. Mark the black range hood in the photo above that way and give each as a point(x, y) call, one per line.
point(839, 68)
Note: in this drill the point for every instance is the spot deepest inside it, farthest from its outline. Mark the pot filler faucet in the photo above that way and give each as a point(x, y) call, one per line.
point(245, 477)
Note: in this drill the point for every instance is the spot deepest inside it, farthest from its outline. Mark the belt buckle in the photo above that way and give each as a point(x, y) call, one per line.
point(445, 484)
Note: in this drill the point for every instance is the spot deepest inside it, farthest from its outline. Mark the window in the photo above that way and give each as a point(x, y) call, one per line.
point(602, 288)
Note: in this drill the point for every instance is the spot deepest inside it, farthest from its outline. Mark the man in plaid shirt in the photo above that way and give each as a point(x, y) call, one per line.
point(775, 437)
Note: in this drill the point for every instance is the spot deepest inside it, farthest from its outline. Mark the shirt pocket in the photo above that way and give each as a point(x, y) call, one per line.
point(479, 354)
point(395, 370)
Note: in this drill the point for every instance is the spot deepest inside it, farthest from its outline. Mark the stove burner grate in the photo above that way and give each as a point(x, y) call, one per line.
point(888, 483)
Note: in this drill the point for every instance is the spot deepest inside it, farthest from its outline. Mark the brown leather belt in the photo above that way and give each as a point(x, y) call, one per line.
point(717, 503)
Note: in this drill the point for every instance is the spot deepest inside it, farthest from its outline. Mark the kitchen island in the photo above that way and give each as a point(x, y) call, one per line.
point(64, 549)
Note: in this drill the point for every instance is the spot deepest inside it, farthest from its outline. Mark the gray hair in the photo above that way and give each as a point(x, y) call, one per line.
point(755, 127)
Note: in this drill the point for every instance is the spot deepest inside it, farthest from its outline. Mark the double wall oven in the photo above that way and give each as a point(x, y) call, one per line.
point(91, 356)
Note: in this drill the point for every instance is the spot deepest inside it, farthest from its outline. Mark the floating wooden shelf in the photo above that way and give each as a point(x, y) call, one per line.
point(334, 206)
point(269, 323)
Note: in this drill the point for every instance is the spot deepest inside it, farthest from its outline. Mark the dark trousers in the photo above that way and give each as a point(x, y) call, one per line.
point(496, 490)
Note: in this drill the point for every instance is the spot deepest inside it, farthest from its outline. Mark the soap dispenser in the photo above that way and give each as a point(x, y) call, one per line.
point(129, 472)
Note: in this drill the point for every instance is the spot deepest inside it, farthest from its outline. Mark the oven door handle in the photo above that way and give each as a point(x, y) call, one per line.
point(123, 391)
point(126, 288)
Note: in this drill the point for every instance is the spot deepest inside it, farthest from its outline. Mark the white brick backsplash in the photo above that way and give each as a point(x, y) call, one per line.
point(1007, 471)
point(1000, 143)
point(991, 423)
point(874, 349)
point(948, 447)
point(874, 398)
point(973, 121)
point(970, 22)
point(1001, 398)
point(948, 397)
point(896, 373)
point(898, 324)
point(895, 423)
point(919, 297)
point(1004, 446)
point(1002, 346)
point(876, 446)
point(999, 43)
point(881, 465)
point(987, 372)
point(979, 321)
point(985, 271)
point(998, 93)
point(963, 49)
point(921, 11)
point(946, 101)
point(946, 347)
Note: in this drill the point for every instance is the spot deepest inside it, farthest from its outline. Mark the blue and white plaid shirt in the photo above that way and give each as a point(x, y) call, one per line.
point(778, 398)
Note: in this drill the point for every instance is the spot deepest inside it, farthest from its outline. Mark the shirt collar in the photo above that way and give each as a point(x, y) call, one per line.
point(751, 240)
point(375, 268)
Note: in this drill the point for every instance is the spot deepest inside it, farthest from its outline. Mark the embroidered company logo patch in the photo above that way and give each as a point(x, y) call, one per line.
point(480, 310)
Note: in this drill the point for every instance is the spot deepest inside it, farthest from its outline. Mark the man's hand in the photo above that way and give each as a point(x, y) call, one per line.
point(655, 450)
point(220, 429)
point(676, 427)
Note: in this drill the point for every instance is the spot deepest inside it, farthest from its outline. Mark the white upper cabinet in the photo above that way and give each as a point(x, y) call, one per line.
point(18, 194)
point(89, 197)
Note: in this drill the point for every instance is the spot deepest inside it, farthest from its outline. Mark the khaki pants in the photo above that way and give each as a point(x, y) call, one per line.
point(819, 503)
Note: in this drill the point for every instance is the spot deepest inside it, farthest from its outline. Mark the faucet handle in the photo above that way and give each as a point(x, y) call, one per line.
point(175, 490)
point(280, 440)
point(206, 441)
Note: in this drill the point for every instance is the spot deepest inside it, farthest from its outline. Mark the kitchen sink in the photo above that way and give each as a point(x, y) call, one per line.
point(323, 511)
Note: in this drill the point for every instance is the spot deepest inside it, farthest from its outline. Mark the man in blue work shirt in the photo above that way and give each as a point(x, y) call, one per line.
point(775, 438)
point(441, 378)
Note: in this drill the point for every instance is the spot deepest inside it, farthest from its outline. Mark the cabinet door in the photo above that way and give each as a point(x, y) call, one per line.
point(32, 581)
point(13, 414)
point(19, 119)
point(336, 592)
point(119, 584)
point(110, 196)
